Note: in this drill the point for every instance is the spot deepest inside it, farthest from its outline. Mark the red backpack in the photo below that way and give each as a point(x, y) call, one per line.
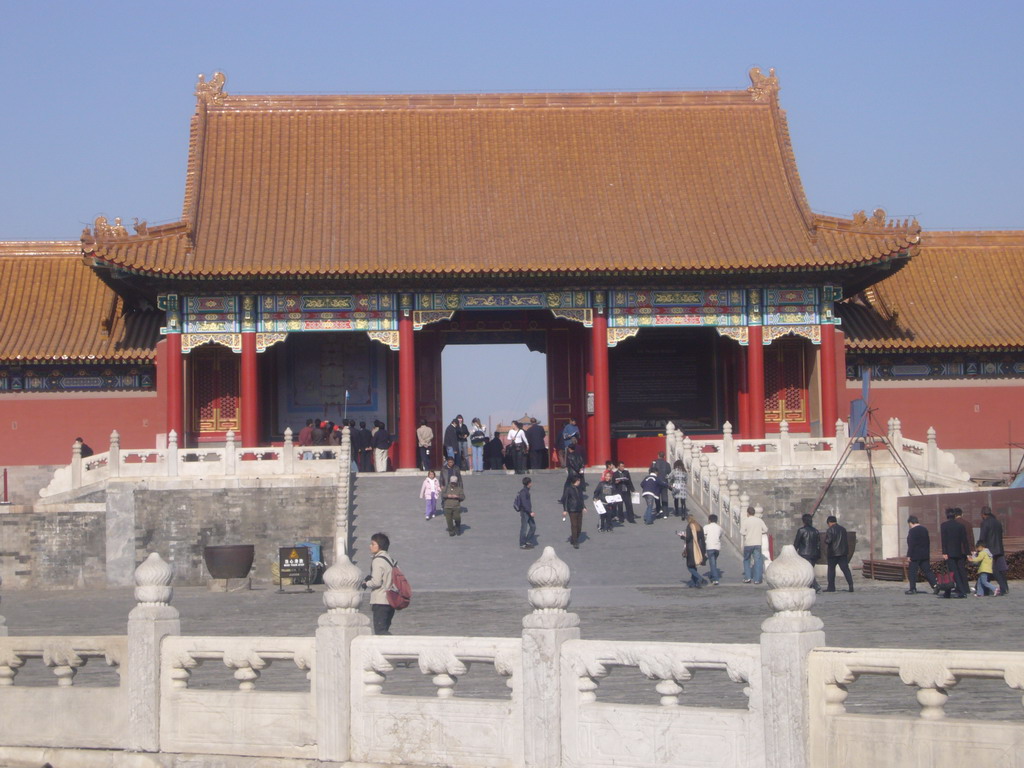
point(400, 594)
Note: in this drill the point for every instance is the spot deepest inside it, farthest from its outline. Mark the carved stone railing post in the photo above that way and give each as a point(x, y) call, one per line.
point(897, 436)
point(76, 465)
point(785, 444)
point(704, 474)
point(727, 445)
point(172, 454)
point(670, 442)
point(114, 457)
point(333, 669)
point(787, 639)
point(544, 631)
point(932, 451)
point(288, 452)
point(343, 499)
point(229, 454)
point(152, 619)
point(3, 621)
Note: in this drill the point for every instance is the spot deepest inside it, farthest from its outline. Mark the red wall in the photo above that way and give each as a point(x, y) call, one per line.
point(964, 416)
point(40, 428)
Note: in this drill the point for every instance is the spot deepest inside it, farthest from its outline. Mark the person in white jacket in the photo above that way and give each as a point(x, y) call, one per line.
point(751, 530)
point(429, 491)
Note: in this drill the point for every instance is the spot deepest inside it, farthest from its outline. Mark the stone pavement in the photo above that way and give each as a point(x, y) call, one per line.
point(626, 585)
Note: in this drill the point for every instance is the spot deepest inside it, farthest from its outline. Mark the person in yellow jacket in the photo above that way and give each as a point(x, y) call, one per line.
point(983, 559)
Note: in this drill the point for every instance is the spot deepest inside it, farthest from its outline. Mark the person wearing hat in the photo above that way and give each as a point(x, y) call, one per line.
point(454, 495)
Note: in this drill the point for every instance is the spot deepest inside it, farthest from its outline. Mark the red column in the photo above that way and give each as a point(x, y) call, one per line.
point(755, 381)
point(829, 391)
point(602, 401)
point(250, 392)
point(742, 428)
point(406, 393)
point(175, 388)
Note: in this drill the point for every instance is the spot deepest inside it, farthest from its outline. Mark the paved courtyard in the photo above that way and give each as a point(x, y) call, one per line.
point(626, 585)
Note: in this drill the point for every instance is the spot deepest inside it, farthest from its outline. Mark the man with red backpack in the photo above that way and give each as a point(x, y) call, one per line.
point(390, 590)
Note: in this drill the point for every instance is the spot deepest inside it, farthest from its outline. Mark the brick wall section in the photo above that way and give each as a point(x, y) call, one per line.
point(179, 524)
point(53, 551)
point(847, 499)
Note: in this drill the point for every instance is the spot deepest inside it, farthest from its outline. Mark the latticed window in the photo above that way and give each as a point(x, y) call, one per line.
point(785, 382)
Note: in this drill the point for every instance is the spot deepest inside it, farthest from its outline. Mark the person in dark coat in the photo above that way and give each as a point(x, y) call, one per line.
point(451, 441)
point(624, 486)
point(919, 554)
point(664, 469)
point(361, 446)
point(807, 544)
point(494, 452)
point(527, 520)
point(837, 548)
point(448, 471)
point(573, 471)
point(535, 436)
point(992, 538)
point(955, 549)
point(574, 509)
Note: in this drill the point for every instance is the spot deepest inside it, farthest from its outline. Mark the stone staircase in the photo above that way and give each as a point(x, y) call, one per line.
point(487, 555)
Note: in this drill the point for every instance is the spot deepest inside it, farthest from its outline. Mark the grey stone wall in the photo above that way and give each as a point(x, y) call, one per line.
point(53, 551)
point(24, 482)
point(179, 524)
point(849, 499)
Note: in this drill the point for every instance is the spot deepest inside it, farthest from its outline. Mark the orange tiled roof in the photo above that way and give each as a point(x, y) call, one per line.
point(476, 184)
point(53, 307)
point(962, 290)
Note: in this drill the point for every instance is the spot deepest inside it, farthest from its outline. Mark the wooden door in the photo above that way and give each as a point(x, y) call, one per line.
point(215, 392)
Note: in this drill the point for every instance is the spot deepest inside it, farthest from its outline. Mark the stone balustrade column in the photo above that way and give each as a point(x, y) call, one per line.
point(230, 458)
point(842, 437)
point(114, 457)
point(172, 454)
point(687, 453)
point(728, 447)
point(288, 452)
point(704, 473)
point(544, 631)
point(670, 442)
point(896, 439)
point(338, 627)
point(76, 465)
point(343, 498)
point(3, 621)
point(152, 619)
point(932, 451)
point(787, 639)
point(785, 444)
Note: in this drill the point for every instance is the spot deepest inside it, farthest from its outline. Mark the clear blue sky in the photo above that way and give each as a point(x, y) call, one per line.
point(914, 107)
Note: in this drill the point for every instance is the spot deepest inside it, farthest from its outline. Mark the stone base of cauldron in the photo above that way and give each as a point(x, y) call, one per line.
point(229, 585)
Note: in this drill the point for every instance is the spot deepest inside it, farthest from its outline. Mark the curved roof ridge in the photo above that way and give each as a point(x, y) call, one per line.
point(40, 248)
point(967, 238)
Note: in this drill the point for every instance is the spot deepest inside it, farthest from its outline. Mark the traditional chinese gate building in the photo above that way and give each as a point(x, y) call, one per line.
point(658, 247)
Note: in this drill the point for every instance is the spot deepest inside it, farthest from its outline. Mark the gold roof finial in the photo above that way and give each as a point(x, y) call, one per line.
point(211, 92)
point(763, 87)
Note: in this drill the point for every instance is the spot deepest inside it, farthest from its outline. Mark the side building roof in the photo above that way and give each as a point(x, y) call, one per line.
point(393, 186)
point(54, 308)
point(962, 290)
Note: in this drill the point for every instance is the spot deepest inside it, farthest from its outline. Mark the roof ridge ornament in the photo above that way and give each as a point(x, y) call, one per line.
point(878, 220)
point(103, 230)
point(763, 87)
point(211, 92)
